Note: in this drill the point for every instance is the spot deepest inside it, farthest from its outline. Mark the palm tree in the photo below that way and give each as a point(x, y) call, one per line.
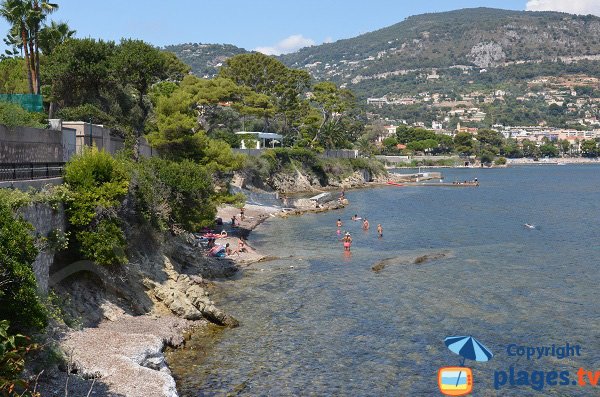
point(26, 19)
point(16, 12)
point(51, 36)
point(39, 10)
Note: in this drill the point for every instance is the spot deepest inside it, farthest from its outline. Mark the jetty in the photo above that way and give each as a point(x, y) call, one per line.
point(443, 184)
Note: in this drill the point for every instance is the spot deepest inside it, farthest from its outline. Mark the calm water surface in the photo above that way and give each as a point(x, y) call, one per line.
point(318, 322)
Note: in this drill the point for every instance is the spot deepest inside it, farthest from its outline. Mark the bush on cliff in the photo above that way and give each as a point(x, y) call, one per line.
point(19, 300)
point(181, 193)
point(96, 184)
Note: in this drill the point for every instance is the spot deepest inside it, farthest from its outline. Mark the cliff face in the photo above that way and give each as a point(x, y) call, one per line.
point(47, 222)
point(301, 180)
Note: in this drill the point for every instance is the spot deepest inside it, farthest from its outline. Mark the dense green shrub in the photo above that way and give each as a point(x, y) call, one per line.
point(88, 113)
point(105, 243)
point(14, 198)
point(19, 301)
point(151, 195)
point(13, 349)
point(336, 168)
point(13, 115)
point(375, 167)
point(191, 192)
point(96, 184)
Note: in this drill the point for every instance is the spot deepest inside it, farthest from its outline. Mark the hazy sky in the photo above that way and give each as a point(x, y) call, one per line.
point(271, 26)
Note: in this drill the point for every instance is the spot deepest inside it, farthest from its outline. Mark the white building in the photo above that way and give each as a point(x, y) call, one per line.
point(259, 140)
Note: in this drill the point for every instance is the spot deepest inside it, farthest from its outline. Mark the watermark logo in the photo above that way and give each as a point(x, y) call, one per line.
point(455, 381)
point(540, 379)
point(458, 381)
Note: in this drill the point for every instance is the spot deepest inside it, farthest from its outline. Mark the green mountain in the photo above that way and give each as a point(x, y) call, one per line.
point(204, 59)
point(504, 62)
point(478, 37)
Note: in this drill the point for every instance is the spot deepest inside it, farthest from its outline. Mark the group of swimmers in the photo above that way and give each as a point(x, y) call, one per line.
point(347, 239)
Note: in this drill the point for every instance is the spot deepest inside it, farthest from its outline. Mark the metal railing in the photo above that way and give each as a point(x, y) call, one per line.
point(17, 172)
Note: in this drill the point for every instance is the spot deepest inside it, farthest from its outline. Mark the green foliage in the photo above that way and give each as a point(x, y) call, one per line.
point(191, 197)
point(108, 82)
point(486, 157)
point(13, 78)
point(88, 113)
point(19, 301)
point(105, 243)
point(548, 150)
point(500, 161)
point(51, 36)
point(375, 167)
point(407, 134)
point(13, 115)
point(589, 148)
point(96, 185)
point(57, 240)
point(463, 142)
point(203, 58)
point(14, 198)
point(151, 194)
point(13, 349)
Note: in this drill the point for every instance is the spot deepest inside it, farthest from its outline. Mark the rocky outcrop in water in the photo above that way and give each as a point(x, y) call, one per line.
point(186, 297)
point(410, 260)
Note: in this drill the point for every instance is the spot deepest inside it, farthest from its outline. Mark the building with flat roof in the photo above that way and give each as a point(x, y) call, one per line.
point(259, 140)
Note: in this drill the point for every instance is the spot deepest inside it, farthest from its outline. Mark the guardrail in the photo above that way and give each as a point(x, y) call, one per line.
point(18, 172)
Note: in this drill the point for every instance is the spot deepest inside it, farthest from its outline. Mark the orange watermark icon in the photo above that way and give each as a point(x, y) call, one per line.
point(455, 381)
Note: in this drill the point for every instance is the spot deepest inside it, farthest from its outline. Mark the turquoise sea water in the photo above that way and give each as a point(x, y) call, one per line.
point(319, 322)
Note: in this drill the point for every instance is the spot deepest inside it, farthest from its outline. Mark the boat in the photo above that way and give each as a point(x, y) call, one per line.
point(394, 183)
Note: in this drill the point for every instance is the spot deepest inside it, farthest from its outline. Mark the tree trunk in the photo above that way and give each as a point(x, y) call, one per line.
point(37, 62)
point(52, 110)
point(33, 68)
point(26, 52)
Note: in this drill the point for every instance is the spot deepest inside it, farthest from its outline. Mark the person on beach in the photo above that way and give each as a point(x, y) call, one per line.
point(233, 221)
point(241, 246)
point(229, 251)
point(242, 213)
point(347, 241)
point(379, 230)
point(365, 224)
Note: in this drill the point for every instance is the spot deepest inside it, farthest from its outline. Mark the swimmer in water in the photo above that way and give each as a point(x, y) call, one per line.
point(347, 241)
point(365, 224)
point(379, 230)
point(339, 223)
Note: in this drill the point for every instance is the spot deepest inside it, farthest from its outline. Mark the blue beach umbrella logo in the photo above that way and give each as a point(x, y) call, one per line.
point(468, 348)
point(458, 381)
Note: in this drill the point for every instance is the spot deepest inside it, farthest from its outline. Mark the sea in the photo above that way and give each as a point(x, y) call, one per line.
point(454, 261)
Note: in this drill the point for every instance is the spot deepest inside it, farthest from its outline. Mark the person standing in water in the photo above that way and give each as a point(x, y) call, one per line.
point(339, 223)
point(365, 224)
point(379, 230)
point(347, 241)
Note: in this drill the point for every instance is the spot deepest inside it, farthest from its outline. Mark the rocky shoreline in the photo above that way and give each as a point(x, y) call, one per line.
point(130, 315)
point(149, 306)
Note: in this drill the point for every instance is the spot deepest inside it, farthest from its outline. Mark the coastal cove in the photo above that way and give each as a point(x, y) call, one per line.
point(457, 262)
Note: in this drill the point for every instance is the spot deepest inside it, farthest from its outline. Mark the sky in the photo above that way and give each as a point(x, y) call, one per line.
point(270, 26)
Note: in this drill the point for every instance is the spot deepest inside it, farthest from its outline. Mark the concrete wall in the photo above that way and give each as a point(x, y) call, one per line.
point(94, 133)
point(30, 145)
point(44, 220)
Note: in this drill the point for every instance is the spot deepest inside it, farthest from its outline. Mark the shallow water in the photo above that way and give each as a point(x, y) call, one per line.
point(321, 322)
